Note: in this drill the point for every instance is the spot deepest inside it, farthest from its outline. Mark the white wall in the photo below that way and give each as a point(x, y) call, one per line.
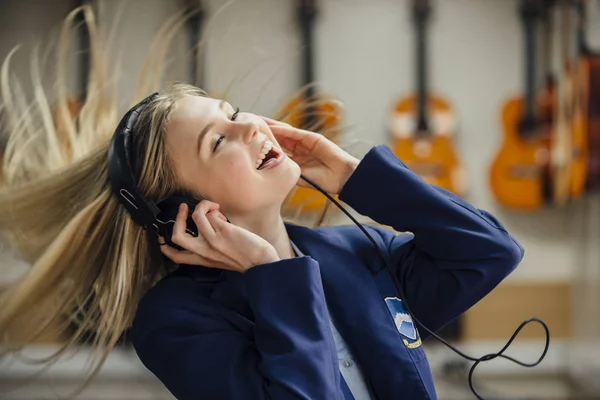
point(364, 57)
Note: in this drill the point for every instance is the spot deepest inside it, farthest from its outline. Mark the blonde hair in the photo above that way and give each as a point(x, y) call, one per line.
point(90, 263)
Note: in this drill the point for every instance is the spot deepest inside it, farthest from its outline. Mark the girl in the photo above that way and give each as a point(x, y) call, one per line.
point(256, 308)
point(260, 308)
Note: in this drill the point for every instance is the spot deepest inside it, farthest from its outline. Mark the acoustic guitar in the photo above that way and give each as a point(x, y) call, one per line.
point(561, 141)
point(580, 154)
point(588, 99)
point(519, 172)
point(310, 110)
point(422, 125)
point(547, 97)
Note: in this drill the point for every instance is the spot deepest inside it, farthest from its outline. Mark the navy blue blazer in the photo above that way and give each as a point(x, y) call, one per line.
point(265, 334)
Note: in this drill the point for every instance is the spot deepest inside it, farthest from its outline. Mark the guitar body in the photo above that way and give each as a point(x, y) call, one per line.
point(432, 156)
point(326, 115)
point(591, 111)
point(517, 172)
point(326, 121)
point(422, 124)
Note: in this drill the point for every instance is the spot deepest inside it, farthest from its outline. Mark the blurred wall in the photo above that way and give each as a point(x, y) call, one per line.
point(31, 22)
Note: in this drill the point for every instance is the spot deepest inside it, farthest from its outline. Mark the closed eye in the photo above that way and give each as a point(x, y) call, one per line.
point(221, 137)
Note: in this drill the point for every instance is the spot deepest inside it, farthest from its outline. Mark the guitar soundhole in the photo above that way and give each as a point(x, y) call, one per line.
point(422, 148)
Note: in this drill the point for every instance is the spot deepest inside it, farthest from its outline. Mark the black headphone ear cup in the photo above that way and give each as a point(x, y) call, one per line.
point(169, 208)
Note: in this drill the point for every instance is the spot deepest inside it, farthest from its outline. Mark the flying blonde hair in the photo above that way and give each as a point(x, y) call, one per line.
point(90, 264)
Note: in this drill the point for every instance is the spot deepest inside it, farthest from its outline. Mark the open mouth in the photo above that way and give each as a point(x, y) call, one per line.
point(268, 155)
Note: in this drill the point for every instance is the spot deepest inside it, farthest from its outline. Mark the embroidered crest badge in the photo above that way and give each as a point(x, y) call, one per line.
point(404, 322)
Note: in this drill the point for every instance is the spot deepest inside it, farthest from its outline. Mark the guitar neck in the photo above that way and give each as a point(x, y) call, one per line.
point(421, 77)
point(421, 10)
point(583, 47)
point(306, 14)
point(530, 71)
point(529, 12)
point(194, 26)
point(308, 58)
point(547, 45)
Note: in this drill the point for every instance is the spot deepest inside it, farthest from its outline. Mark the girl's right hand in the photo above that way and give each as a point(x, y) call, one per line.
point(219, 244)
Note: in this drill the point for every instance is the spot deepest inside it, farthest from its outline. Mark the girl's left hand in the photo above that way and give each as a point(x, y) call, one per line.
point(320, 160)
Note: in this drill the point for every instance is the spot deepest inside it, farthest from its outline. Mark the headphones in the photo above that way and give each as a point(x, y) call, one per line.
point(162, 216)
point(143, 211)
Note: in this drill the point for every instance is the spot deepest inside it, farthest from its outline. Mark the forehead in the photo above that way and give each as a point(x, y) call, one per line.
point(194, 108)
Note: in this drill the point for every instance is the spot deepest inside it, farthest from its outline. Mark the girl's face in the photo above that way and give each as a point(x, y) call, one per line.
point(215, 150)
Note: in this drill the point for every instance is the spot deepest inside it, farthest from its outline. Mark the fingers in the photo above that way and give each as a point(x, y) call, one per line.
point(217, 217)
point(181, 236)
point(286, 143)
point(208, 220)
point(214, 220)
point(271, 121)
point(205, 229)
point(290, 138)
point(179, 228)
point(290, 132)
point(184, 257)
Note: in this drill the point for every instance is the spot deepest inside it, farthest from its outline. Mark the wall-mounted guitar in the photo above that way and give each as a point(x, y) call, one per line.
point(588, 98)
point(519, 175)
point(577, 120)
point(547, 96)
point(561, 154)
point(422, 125)
point(310, 110)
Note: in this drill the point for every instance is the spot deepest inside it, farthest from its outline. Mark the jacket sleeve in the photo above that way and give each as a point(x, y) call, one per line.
point(457, 253)
point(292, 354)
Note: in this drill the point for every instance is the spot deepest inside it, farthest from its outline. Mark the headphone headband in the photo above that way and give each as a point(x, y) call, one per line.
point(120, 168)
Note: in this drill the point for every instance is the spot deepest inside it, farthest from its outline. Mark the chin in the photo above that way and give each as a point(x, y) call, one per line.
point(292, 175)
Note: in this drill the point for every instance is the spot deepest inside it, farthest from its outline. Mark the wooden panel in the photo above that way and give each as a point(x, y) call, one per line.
point(502, 311)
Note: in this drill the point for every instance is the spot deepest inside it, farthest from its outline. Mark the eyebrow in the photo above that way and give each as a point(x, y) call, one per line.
point(207, 128)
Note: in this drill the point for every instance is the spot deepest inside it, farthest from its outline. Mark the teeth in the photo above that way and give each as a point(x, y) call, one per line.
point(263, 153)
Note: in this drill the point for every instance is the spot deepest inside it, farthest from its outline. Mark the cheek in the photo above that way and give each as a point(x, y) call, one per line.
point(237, 166)
point(238, 174)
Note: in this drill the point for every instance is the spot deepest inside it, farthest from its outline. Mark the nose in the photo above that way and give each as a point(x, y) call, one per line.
point(248, 130)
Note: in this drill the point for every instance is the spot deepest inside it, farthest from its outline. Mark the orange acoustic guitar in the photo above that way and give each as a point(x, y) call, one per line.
point(579, 163)
point(587, 106)
point(519, 175)
point(310, 110)
point(561, 139)
point(547, 97)
point(422, 125)
point(569, 142)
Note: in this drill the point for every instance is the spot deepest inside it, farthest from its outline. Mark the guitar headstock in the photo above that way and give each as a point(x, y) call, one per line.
point(307, 11)
point(546, 9)
point(532, 9)
point(421, 10)
point(196, 6)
